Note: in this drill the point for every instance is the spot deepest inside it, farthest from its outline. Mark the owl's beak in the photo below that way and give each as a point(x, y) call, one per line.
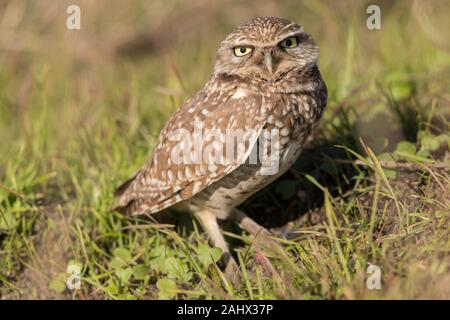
point(268, 61)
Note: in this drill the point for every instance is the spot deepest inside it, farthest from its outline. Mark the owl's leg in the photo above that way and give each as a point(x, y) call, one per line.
point(251, 226)
point(262, 235)
point(248, 224)
point(211, 227)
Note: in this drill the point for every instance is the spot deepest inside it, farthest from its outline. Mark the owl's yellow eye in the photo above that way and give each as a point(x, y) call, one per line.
point(289, 42)
point(242, 51)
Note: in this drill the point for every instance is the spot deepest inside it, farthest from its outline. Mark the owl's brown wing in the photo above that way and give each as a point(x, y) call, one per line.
point(167, 179)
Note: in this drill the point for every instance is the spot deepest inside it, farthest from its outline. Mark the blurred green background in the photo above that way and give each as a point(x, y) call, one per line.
point(80, 111)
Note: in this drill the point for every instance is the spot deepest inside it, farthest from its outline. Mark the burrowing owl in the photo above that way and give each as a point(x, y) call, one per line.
point(265, 79)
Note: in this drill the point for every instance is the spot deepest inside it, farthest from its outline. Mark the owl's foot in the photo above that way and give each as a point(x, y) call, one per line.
point(248, 224)
point(232, 271)
point(289, 235)
point(263, 237)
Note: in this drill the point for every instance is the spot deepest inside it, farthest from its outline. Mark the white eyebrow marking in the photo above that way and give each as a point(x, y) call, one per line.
point(267, 44)
point(292, 34)
point(289, 25)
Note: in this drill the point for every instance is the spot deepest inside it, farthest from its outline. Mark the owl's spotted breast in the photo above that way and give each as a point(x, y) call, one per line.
point(293, 116)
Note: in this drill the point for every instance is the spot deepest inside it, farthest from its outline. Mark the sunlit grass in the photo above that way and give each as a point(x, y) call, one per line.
point(370, 190)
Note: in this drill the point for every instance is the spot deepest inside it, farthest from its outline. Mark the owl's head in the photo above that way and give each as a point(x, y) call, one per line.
point(266, 49)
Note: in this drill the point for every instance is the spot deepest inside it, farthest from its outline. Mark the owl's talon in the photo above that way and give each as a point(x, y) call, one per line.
point(232, 272)
point(289, 235)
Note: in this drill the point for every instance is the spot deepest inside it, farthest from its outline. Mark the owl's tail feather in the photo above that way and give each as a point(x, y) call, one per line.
point(124, 204)
point(130, 204)
point(135, 207)
point(124, 186)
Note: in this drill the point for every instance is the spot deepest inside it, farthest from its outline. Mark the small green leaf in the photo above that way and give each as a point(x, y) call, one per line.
point(121, 258)
point(208, 255)
point(117, 263)
point(8, 220)
point(156, 264)
point(124, 274)
point(176, 269)
point(167, 263)
point(167, 288)
point(405, 147)
point(123, 254)
point(400, 84)
point(140, 271)
point(423, 153)
point(127, 296)
point(430, 142)
point(401, 90)
point(58, 284)
point(112, 287)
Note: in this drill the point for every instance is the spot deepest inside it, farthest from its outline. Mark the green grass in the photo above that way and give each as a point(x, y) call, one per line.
point(371, 188)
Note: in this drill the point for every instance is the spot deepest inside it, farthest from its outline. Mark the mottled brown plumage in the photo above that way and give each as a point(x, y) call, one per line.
point(265, 79)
